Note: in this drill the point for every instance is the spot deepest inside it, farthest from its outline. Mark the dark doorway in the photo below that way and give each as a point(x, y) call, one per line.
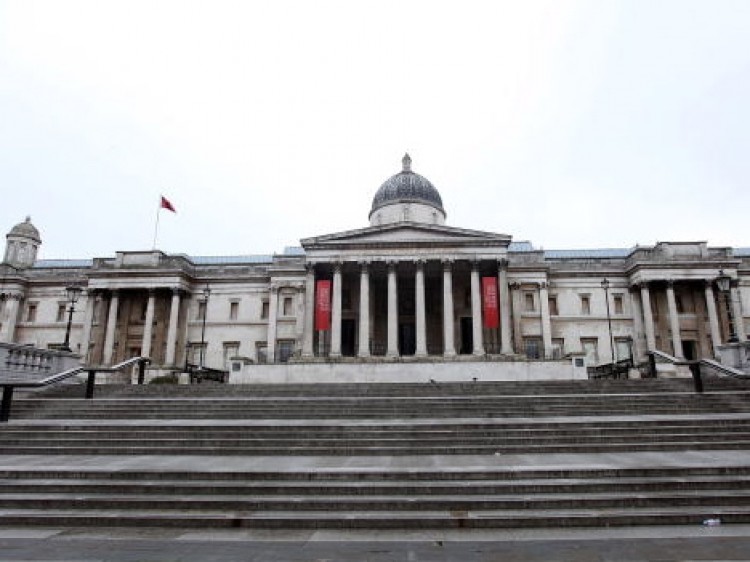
point(348, 336)
point(689, 348)
point(407, 338)
point(467, 336)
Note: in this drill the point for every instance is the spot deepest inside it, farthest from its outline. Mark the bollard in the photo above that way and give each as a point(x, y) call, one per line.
point(652, 365)
point(141, 371)
point(7, 400)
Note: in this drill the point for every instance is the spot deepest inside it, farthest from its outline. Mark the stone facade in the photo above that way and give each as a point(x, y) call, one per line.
point(407, 287)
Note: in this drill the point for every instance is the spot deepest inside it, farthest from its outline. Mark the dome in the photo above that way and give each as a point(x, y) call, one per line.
point(25, 230)
point(407, 187)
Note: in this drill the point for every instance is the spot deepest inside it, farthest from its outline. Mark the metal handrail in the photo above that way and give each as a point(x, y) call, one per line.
point(92, 371)
point(695, 367)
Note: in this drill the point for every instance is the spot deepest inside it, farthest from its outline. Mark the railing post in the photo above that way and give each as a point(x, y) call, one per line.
point(141, 371)
point(7, 400)
point(695, 370)
point(90, 384)
point(652, 364)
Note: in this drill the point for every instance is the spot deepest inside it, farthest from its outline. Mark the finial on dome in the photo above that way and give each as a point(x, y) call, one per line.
point(406, 161)
point(28, 218)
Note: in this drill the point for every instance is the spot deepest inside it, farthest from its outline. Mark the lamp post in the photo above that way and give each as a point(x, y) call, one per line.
point(724, 283)
point(72, 293)
point(605, 286)
point(206, 295)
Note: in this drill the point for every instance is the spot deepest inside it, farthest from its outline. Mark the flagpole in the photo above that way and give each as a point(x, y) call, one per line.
point(156, 227)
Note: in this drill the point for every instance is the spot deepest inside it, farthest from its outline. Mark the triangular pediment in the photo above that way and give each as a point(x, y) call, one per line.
point(406, 234)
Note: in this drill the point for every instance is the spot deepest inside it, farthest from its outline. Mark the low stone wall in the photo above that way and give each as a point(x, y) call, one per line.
point(351, 372)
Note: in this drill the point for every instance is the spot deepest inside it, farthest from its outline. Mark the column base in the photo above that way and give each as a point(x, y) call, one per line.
point(449, 354)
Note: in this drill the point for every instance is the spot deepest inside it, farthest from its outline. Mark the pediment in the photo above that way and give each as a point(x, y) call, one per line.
point(406, 234)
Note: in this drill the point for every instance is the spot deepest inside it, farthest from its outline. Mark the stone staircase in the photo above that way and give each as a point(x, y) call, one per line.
point(379, 456)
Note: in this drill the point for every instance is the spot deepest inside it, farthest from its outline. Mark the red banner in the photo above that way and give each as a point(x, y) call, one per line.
point(489, 302)
point(323, 305)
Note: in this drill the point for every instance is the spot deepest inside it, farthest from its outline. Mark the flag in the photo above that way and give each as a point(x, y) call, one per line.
point(165, 204)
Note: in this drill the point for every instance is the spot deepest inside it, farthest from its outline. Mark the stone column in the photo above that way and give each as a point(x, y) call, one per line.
point(503, 291)
point(364, 311)
point(109, 338)
point(336, 312)
point(309, 328)
point(148, 326)
point(546, 326)
point(174, 317)
point(12, 303)
point(638, 331)
point(648, 318)
point(739, 321)
point(449, 344)
point(674, 320)
point(421, 350)
point(392, 349)
point(88, 319)
point(476, 310)
point(273, 312)
point(713, 318)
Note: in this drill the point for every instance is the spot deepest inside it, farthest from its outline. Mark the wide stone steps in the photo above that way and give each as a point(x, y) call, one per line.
point(347, 499)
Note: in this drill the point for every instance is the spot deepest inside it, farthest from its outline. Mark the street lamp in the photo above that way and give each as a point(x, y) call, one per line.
point(605, 286)
point(724, 283)
point(72, 293)
point(206, 295)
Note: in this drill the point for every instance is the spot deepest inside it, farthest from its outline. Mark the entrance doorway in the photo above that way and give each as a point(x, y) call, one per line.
point(467, 336)
point(407, 338)
point(689, 350)
point(348, 336)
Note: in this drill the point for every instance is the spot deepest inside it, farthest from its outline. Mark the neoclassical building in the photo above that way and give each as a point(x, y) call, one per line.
point(406, 288)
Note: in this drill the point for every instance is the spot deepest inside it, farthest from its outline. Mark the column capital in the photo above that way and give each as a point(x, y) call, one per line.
point(474, 264)
point(391, 265)
point(337, 265)
point(364, 265)
point(420, 263)
point(310, 267)
point(12, 295)
point(515, 285)
point(503, 263)
point(670, 283)
point(447, 264)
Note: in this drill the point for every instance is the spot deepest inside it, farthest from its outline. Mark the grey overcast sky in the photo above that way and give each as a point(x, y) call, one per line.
point(572, 124)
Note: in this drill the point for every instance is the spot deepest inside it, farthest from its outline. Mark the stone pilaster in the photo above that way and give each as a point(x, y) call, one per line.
point(739, 321)
point(546, 325)
point(638, 329)
point(12, 304)
point(503, 291)
point(92, 298)
point(307, 337)
point(273, 313)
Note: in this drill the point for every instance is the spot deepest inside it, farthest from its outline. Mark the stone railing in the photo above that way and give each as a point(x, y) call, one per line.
point(20, 361)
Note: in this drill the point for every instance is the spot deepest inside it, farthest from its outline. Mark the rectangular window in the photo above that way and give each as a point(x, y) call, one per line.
point(623, 349)
point(532, 347)
point(201, 310)
point(585, 304)
point(261, 352)
point(287, 307)
point(264, 308)
point(590, 347)
point(618, 303)
point(528, 299)
point(558, 348)
point(195, 353)
point(553, 305)
point(234, 310)
point(31, 312)
point(285, 350)
point(231, 349)
point(60, 313)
